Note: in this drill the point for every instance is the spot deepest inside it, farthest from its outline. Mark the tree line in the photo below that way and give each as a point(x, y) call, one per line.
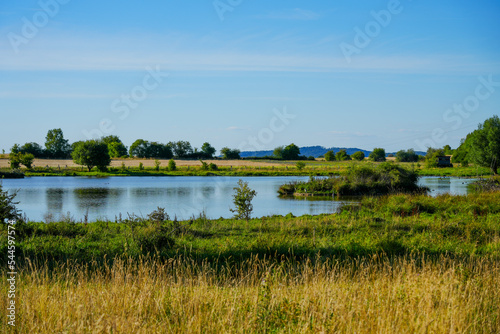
point(481, 147)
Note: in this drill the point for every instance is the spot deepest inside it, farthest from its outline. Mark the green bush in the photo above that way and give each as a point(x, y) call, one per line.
point(378, 154)
point(329, 156)
point(171, 165)
point(359, 155)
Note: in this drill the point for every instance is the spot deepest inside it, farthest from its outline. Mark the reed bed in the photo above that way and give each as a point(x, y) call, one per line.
point(375, 294)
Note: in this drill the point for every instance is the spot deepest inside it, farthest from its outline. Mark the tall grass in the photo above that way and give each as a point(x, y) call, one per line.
point(371, 295)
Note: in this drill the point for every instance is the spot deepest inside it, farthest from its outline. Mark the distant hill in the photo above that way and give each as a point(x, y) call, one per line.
point(315, 151)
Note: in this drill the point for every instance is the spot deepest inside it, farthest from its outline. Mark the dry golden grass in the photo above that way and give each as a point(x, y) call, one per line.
point(360, 296)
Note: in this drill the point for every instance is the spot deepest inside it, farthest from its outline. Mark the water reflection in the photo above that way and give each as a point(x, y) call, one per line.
point(180, 196)
point(54, 198)
point(96, 197)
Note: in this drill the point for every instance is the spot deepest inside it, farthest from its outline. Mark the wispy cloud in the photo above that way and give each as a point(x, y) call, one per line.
point(111, 53)
point(291, 14)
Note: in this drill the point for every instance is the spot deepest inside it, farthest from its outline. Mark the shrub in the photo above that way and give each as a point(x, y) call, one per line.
point(204, 165)
point(300, 165)
point(359, 155)
point(329, 156)
point(141, 166)
point(171, 165)
point(157, 165)
point(407, 156)
point(15, 160)
point(8, 208)
point(242, 199)
point(378, 154)
point(212, 166)
point(158, 215)
point(27, 160)
point(342, 156)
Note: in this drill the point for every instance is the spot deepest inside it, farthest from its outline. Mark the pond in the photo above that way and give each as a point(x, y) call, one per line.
point(51, 198)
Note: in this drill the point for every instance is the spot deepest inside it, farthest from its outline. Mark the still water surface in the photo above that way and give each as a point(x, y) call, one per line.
point(106, 198)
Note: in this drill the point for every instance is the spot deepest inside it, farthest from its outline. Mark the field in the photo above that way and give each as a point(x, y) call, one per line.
point(123, 167)
point(392, 264)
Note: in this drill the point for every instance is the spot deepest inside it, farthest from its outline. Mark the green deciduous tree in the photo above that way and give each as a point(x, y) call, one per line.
point(181, 149)
point(342, 156)
point(228, 153)
point(27, 160)
point(207, 150)
point(278, 152)
point(55, 144)
point(359, 155)
point(116, 148)
point(406, 156)
point(431, 157)
point(291, 152)
point(158, 150)
point(484, 144)
point(329, 156)
point(139, 148)
point(378, 154)
point(15, 160)
point(33, 148)
point(242, 199)
point(92, 153)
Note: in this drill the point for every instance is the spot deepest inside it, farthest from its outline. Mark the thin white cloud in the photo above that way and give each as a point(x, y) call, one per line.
point(291, 14)
point(115, 53)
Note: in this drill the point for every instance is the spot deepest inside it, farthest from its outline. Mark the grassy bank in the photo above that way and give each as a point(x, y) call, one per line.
point(234, 168)
point(391, 264)
point(397, 225)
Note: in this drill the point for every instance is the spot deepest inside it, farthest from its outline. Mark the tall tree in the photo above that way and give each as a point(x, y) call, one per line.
point(115, 146)
point(228, 153)
point(484, 144)
point(55, 144)
point(378, 154)
point(329, 156)
point(92, 153)
point(291, 152)
point(278, 152)
point(33, 148)
point(139, 148)
point(181, 149)
point(208, 150)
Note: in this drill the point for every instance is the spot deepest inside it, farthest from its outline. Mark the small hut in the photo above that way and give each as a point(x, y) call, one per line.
point(444, 161)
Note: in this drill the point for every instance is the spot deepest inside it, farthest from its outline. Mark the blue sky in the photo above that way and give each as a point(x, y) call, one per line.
point(393, 74)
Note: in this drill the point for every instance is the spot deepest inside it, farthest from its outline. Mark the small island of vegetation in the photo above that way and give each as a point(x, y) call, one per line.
point(386, 178)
